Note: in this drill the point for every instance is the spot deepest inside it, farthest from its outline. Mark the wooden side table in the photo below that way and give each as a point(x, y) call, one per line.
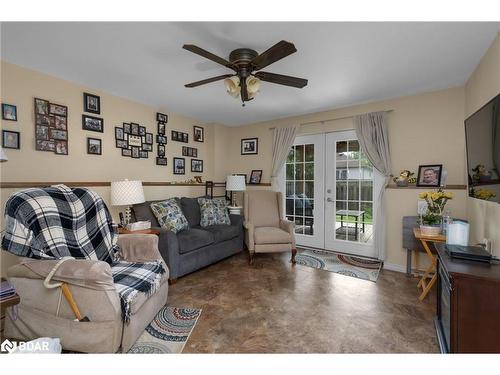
point(142, 231)
point(426, 287)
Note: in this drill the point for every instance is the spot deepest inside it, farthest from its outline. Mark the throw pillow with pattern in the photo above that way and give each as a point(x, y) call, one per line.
point(170, 215)
point(213, 212)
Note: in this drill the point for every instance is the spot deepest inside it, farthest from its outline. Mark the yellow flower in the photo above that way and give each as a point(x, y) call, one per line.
point(435, 196)
point(422, 195)
point(449, 195)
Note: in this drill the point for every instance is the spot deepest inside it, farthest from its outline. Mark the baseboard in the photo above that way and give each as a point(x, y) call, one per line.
point(394, 267)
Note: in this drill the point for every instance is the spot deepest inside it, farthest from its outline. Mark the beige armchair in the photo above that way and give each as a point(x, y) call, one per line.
point(266, 230)
point(45, 312)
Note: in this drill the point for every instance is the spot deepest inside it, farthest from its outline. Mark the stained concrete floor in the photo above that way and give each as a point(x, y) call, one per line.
point(274, 307)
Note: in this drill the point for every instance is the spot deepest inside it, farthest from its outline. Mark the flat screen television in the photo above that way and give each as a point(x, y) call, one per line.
point(482, 134)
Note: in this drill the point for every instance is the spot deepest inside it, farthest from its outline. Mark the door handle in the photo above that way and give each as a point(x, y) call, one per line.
point(329, 199)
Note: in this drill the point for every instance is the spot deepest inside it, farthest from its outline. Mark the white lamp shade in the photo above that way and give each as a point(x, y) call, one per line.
point(3, 155)
point(235, 183)
point(126, 193)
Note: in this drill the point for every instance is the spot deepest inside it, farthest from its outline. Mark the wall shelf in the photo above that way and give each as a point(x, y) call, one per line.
point(39, 184)
point(447, 187)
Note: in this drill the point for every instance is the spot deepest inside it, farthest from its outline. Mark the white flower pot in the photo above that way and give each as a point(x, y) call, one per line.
point(430, 230)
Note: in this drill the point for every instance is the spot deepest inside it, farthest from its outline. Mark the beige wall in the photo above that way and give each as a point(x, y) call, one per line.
point(482, 86)
point(19, 86)
point(423, 129)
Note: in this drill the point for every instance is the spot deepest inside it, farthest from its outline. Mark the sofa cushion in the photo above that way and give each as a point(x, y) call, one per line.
point(213, 212)
point(224, 232)
point(271, 235)
point(193, 239)
point(169, 215)
point(143, 212)
point(191, 210)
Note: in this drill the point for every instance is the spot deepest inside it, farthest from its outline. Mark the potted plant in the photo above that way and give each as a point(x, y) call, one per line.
point(430, 222)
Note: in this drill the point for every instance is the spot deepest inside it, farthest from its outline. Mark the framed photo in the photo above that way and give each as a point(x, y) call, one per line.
point(142, 130)
point(42, 119)
point(41, 106)
point(126, 128)
point(61, 147)
point(9, 112)
point(196, 165)
point(126, 152)
point(195, 152)
point(147, 147)
point(161, 128)
point(134, 128)
point(60, 135)
point(185, 137)
point(160, 117)
point(143, 154)
point(255, 177)
point(121, 144)
point(91, 103)
point(198, 134)
point(119, 133)
point(429, 175)
point(94, 124)
point(42, 132)
point(11, 139)
point(94, 146)
point(185, 151)
point(57, 109)
point(134, 140)
point(161, 150)
point(249, 146)
point(161, 161)
point(179, 166)
point(136, 152)
point(45, 145)
point(161, 139)
point(148, 138)
point(60, 122)
point(174, 135)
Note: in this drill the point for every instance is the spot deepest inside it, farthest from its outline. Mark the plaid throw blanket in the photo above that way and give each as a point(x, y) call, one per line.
point(58, 221)
point(132, 278)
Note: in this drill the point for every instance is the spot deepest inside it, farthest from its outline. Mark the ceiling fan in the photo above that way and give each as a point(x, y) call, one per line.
point(247, 63)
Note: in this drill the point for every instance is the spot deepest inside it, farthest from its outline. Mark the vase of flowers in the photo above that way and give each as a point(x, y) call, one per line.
point(431, 221)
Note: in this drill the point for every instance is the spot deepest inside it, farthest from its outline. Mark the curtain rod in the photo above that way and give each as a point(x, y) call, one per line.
point(332, 119)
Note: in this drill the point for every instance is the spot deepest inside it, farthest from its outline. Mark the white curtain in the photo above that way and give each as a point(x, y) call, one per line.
point(283, 139)
point(371, 130)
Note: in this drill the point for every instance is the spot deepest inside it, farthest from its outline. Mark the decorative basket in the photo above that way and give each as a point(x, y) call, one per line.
point(430, 230)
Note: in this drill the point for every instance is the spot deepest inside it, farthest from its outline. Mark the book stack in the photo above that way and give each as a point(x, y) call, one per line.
point(7, 291)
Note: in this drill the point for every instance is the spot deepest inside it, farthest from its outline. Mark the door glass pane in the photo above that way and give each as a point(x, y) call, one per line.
point(342, 190)
point(289, 207)
point(353, 190)
point(291, 155)
point(299, 207)
point(341, 151)
point(309, 189)
point(299, 225)
point(299, 154)
point(309, 152)
point(299, 189)
point(309, 171)
point(299, 171)
point(289, 172)
point(309, 225)
point(366, 190)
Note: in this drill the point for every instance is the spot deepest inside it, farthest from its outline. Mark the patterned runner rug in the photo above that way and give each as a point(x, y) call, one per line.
point(168, 332)
point(348, 265)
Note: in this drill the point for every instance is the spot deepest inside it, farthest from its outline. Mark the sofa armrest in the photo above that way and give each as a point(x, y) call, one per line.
point(236, 220)
point(249, 236)
point(139, 247)
point(169, 250)
point(289, 226)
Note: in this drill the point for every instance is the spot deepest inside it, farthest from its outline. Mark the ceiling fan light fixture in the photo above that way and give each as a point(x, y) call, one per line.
point(253, 86)
point(232, 85)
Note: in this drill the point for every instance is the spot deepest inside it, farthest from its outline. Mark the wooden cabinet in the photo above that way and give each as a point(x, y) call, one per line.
point(468, 305)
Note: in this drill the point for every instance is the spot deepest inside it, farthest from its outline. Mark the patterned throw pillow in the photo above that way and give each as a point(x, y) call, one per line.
point(213, 212)
point(170, 215)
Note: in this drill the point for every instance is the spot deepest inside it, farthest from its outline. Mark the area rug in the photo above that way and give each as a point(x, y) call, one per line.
point(347, 265)
point(168, 332)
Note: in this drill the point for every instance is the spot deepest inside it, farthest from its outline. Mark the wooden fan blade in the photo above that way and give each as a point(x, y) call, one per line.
point(208, 55)
point(208, 80)
point(277, 52)
point(281, 79)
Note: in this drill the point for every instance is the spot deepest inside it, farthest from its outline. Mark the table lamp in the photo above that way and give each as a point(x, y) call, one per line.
point(127, 193)
point(235, 183)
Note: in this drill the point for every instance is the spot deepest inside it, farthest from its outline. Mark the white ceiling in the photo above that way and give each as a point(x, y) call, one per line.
point(346, 63)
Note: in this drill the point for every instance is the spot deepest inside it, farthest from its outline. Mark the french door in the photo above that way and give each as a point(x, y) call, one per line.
point(329, 193)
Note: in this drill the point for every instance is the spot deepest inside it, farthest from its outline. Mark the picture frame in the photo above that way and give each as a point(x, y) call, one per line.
point(174, 135)
point(58, 135)
point(45, 145)
point(161, 150)
point(161, 139)
point(94, 146)
point(42, 119)
point(185, 137)
point(143, 154)
point(41, 106)
point(255, 177)
point(134, 140)
point(185, 151)
point(147, 147)
point(134, 128)
point(179, 166)
point(127, 152)
point(161, 117)
point(42, 132)
point(197, 165)
point(119, 133)
point(121, 143)
point(91, 103)
point(60, 122)
point(58, 109)
point(9, 112)
point(142, 130)
point(249, 146)
point(91, 123)
point(429, 175)
point(198, 134)
point(135, 152)
point(161, 161)
point(148, 139)
point(61, 147)
point(11, 139)
point(162, 127)
point(126, 128)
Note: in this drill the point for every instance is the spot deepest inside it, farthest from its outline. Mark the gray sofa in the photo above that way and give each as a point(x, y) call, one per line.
point(197, 247)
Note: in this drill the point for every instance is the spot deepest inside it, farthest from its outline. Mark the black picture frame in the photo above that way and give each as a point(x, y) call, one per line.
point(61, 147)
point(8, 144)
point(437, 170)
point(90, 149)
point(257, 173)
point(41, 106)
point(181, 167)
point(162, 128)
point(94, 127)
point(134, 128)
point(147, 147)
point(136, 152)
point(185, 137)
point(91, 103)
point(196, 161)
point(126, 128)
point(161, 150)
point(161, 161)
point(127, 152)
point(121, 143)
point(161, 139)
point(247, 150)
point(9, 112)
point(119, 133)
point(198, 134)
point(174, 135)
point(142, 130)
point(161, 117)
point(58, 109)
point(143, 154)
point(148, 138)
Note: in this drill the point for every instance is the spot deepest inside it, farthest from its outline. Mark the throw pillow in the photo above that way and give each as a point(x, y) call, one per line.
point(213, 212)
point(170, 215)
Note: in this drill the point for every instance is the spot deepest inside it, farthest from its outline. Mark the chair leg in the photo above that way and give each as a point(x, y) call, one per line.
point(172, 281)
point(250, 258)
point(294, 252)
